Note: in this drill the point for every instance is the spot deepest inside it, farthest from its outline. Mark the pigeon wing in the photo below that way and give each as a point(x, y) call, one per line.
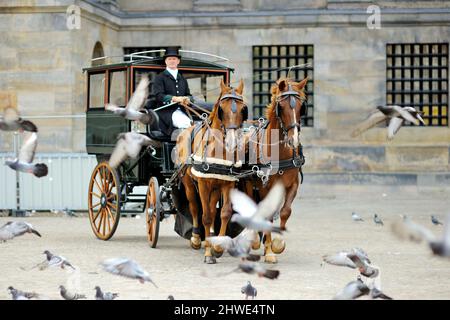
point(242, 203)
point(272, 202)
point(224, 242)
point(119, 154)
point(406, 229)
point(140, 95)
point(373, 119)
point(406, 114)
point(10, 114)
point(111, 107)
point(28, 149)
point(446, 234)
point(394, 125)
point(339, 259)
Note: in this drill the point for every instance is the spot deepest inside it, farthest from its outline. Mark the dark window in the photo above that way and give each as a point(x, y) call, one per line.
point(273, 62)
point(417, 76)
point(129, 50)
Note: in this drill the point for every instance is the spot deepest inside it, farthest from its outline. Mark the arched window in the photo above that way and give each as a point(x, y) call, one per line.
point(97, 53)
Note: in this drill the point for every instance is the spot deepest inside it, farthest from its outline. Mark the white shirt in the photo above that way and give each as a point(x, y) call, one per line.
point(174, 73)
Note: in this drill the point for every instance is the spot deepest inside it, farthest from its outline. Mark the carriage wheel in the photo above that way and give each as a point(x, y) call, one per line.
point(153, 211)
point(104, 201)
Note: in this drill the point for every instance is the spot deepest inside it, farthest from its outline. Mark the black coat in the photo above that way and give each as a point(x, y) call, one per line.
point(164, 88)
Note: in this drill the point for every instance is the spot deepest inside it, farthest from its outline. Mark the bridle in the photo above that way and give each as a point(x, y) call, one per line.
point(234, 97)
point(292, 95)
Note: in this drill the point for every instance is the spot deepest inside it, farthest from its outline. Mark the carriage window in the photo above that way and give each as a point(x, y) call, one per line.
point(273, 62)
point(118, 87)
point(97, 90)
point(204, 87)
point(417, 76)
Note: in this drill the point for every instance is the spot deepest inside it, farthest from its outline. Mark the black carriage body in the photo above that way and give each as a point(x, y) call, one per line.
point(114, 83)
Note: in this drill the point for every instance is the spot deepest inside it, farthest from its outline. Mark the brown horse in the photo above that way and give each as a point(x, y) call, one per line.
point(214, 146)
point(283, 133)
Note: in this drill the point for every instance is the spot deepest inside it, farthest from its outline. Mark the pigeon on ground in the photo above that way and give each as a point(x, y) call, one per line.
point(54, 261)
point(436, 221)
point(127, 268)
point(260, 270)
point(12, 121)
point(100, 295)
point(69, 213)
point(15, 229)
point(25, 161)
point(128, 146)
point(135, 107)
point(353, 290)
point(22, 295)
point(377, 220)
point(364, 267)
point(395, 114)
point(257, 216)
point(170, 297)
point(249, 291)
point(69, 295)
point(355, 217)
point(239, 246)
point(406, 229)
point(342, 258)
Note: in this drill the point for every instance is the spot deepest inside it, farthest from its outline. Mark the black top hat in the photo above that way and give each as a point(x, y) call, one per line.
point(172, 52)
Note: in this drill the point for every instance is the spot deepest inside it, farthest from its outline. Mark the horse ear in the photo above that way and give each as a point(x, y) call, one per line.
point(300, 85)
point(223, 86)
point(282, 85)
point(240, 87)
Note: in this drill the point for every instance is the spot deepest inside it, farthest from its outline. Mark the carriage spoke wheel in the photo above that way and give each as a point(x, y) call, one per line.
point(104, 201)
point(153, 212)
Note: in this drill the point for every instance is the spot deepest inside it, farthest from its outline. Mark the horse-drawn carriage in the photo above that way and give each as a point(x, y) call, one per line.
point(170, 192)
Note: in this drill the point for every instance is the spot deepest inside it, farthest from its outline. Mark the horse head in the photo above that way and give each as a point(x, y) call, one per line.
point(288, 99)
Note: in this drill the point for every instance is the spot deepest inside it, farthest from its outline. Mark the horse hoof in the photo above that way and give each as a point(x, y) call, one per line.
point(216, 251)
point(278, 245)
point(209, 260)
point(196, 242)
point(256, 244)
point(270, 259)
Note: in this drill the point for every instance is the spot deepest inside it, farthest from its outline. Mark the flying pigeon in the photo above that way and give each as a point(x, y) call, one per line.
point(256, 216)
point(127, 268)
point(377, 220)
point(397, 116)
point(100, 295)
point(69, 295)
point(260, 270)
point(355, 217)
point(435, 221)
point(15, 229)
point(406, 229)
point(239, 246)
point(22, 295)
point(342, 258)
point(128, 146)
point(25, 161)
point(249, 290)
point(353, 290)
point(364, 267)
point(135, 106)
point(13, 122)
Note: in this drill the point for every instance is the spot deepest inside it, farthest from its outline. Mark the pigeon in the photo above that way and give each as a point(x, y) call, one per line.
point(364, 267)
point(15, 229)
point(406, 229)
point(376, 293)
point(355, 217)
point(435, 221)
point(249, 290)
point(21, 295)
point(261, 271)
point(69, 295)
point(135, 106)
point(69, 213)
point(100, 295)
point(239, 246)
point(377, 220)
point(342, 258)
point(128, 146)
point(353, 290)
point(13, 122)
point(256, 216)
point(127, 268)
point(170, 297)
point(25, 161)
point(397, 116)
point(54, 261)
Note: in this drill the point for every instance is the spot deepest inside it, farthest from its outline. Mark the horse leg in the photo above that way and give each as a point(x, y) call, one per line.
point(196, 241)
point(269, 256)
point(248, 189)
point(217, 251)
point(207, 220)
point(225, 214)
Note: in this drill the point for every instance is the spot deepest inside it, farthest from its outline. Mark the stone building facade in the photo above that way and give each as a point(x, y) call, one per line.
point(42, 58)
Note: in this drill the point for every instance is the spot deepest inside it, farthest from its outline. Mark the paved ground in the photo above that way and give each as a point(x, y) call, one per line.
point(319, 225)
